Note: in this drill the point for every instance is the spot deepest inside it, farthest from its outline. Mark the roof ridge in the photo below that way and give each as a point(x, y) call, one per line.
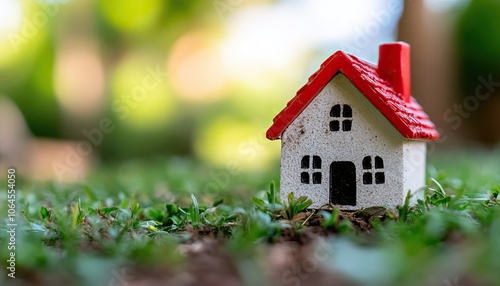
point(407, 117)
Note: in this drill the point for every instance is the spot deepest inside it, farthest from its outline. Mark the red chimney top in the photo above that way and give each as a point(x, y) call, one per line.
point(394, 66)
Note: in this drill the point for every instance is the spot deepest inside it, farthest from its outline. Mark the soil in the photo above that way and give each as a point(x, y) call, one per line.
point(292, 258)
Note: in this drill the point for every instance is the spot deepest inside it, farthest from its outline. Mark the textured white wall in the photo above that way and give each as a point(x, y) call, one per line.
point(414, 168)
point(371, 135)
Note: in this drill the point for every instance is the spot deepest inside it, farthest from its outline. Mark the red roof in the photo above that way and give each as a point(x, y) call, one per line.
point(407, 117)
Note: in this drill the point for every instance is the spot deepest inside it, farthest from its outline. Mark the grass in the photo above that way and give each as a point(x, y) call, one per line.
point(156, 223)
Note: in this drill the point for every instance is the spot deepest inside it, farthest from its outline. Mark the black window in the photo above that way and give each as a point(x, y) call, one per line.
point(367, 162)
point(341, 118)
point(307, 172)
point(305, 162)
point(370, 172)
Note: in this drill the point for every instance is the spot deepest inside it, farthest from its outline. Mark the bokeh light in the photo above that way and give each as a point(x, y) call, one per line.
point(443, 5)
point(131, 15)
point(11, 39)
point(228, 140)
point(141, 96)
point(195, 68)
point(279, 38)
point(10, 17)
point(79, 78)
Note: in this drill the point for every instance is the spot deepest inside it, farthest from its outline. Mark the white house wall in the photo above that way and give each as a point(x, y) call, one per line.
point(371, 135)
point(414, 168)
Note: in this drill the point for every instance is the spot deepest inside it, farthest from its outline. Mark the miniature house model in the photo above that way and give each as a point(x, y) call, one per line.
point(353, 136)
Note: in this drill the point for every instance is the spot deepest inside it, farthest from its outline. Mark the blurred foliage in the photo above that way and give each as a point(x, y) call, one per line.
point(153, 67)
point(478, 43)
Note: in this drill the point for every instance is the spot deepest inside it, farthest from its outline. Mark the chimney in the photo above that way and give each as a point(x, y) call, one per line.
point(394, 66)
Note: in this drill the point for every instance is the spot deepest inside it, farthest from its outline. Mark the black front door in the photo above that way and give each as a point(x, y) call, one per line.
point(343, 183)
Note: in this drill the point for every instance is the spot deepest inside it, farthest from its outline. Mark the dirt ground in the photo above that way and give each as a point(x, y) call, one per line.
point(295, 258)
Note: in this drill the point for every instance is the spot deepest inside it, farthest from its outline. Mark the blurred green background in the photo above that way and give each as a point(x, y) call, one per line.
point(85, 82)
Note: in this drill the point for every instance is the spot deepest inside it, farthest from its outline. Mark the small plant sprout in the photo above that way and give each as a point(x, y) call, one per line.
point(295, 206)
point(272, 202)
point(332, 221)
